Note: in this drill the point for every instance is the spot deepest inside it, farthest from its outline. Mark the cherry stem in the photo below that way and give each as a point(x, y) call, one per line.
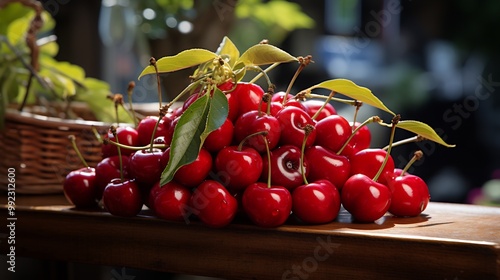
point(307, 131)
point(304, 61)
point(187, 89)
point(242, 142)
point(268, 162)
point(72, 138)
point(330, 96)
point(341, 100)
point(135, 148)
point(368, 121)
point(152, 62)
point(113, 131)
point(131, 110)
point(395, 121)
point(416, 138)
point(258, 69)
point(416, 156)
point(97, 135)
point(265, 71)
point(357, 105)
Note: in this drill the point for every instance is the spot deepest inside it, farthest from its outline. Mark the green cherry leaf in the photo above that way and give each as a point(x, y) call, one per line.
point(229, 50)
point(182, 60)
point(350, 89)
point(217, 113)
point(423, 130)
point(187, 140)
point(263, 54)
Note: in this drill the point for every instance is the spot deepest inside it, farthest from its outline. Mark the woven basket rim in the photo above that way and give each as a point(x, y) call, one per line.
point(46, 121)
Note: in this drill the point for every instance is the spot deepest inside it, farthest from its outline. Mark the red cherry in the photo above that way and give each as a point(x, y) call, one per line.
point(267, 207)
point(313, 105)
point(249, 96)
point(79, 187)
point(292, 122)
point(122, 198)
point(126, 135)
point(365, 199)
point(316, 203)
point(410, 196)
point(325, 164)
point(172, 202)
point(369, 161)
point(219, 138)
point(362, 139)
point(145, 130)
point(213, 204)
point(145, 166)
point(238, 168)
point(192, 174)
point(332, 132)
point(253, 122)
point(285, 167)
point(190, 100)
point(279, 96)
point(108, 169)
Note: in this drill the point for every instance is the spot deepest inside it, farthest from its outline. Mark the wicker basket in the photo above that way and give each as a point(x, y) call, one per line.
point(38, 148)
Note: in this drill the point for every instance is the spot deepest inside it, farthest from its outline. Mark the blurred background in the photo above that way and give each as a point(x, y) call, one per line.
point(433, 61)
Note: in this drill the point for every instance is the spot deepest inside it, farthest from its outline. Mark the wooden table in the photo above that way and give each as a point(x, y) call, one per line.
point(449, 241)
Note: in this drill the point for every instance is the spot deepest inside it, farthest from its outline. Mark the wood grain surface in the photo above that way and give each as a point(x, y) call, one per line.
point(448, 241)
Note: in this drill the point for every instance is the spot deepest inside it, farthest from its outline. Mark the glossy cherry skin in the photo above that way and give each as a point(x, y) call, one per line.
point(108, 169)
point(267, 207)
point(253, 122)
point(213, 204)
point(192, 174)
point(362, 139)
point(369, 161)
point(249, 96)
point(327, 165)
point(280, 95)
point(332, 132)
point(145, 166)
point(312, 106)
point(316, 203)
point(285, 167)
point(365, 199)
point(126, 135)
point(79, 187)
point(172, 202)
point(122, 198)
point(410, 196)
point(237, 168)
point(292, 122)
point(145, 129)
point(220, 138)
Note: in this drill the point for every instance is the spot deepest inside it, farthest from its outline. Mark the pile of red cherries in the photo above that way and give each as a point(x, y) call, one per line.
point(275, 158)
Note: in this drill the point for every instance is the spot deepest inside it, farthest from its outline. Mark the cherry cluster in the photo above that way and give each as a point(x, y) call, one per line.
point(276, 157)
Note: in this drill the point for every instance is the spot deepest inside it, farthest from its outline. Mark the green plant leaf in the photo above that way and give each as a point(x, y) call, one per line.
point(217, 113)
point(63, 86)
point(94, 95)
point(350, 89)
point(16, 31)
point(263, 54)
point(423, 130)
point(63, 68)
point(10, 13)
point(182, 60)
point(50, 49)
point(186, 141)
point(229, 50)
